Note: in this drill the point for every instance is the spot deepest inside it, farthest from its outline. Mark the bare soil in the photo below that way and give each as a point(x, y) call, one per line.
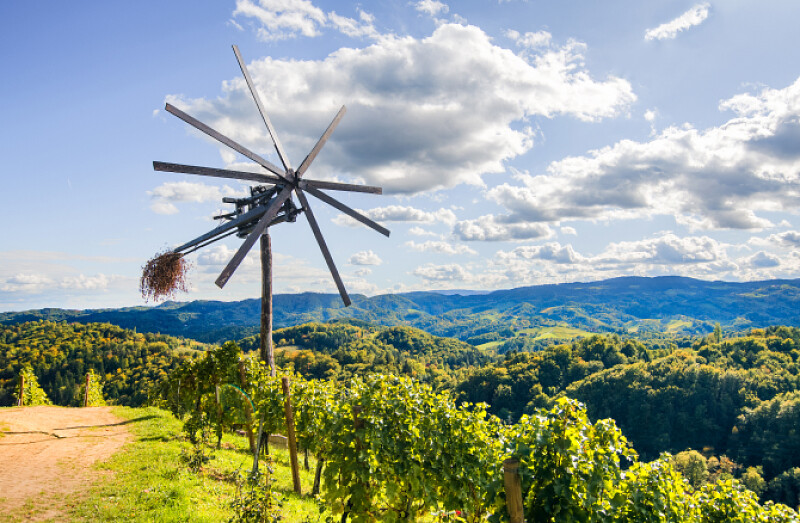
point(47, 454)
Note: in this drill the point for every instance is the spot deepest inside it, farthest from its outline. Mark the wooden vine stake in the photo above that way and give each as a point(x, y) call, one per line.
point(513, 484)
point(248, 411)
point(290, 435)
point(86, 390)
point(21, 400)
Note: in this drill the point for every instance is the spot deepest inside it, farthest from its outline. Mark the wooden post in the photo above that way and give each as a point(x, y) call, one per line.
point(267, 352)
point(290, 435)
point(248, 410)
point(513, 484)
point(219, 416)
point(317, 476)
point(21, 400)
point(86, 391)
point(258, 444)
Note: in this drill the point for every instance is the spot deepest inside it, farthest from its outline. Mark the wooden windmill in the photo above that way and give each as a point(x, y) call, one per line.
point(270, 202)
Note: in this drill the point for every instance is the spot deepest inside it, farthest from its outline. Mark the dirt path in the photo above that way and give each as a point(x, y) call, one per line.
point(46, 457)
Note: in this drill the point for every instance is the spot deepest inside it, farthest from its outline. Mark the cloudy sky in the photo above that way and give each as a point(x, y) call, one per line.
point(517, 142)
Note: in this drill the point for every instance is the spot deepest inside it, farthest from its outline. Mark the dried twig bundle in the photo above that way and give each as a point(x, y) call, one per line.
point(164, 275)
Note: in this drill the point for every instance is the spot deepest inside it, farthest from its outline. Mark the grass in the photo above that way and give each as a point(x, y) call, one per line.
point(557, 332)
point(147, 481)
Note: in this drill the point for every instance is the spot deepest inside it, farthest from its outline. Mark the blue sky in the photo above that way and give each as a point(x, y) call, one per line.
point(518, 142)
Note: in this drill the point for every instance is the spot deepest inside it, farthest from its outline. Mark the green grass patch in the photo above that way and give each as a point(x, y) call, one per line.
point(677, 325)
point(147, 481)
point(557, 332)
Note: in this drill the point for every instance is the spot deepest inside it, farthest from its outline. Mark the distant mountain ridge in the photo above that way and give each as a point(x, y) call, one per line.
point(672, 304)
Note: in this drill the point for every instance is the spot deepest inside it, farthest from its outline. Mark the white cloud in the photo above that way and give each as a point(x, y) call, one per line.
point(534, 40)
point(553, 252)
point(669, 30)
point(166, 194)
point(431, 7)
point(497, 228)
point(717, 178)
point(786, 239)
point(423, 114)
point(282, 19)
point(83, 282)
point(364, 271)
point(440, 247)
point(355, 28)
point(568, 230)
point(763, 260)
point(442, 273)
point(365, 258)
point(419, 231)
point(25, 282)
point(28, 283)
point(401, 213)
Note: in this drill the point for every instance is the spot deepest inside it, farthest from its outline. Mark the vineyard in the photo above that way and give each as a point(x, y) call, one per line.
point(392, 449)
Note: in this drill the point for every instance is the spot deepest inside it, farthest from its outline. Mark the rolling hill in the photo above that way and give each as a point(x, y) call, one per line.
point(637, 305)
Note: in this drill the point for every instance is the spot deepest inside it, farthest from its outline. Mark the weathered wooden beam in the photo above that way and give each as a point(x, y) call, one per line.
point(270, 128)
point(348, 211)
point(324, 138)
point(266, 349)
point(216, 173)
point(272, 209)
point(251, 215)
point(336, 186)
point(323, 247)
point(241, 149)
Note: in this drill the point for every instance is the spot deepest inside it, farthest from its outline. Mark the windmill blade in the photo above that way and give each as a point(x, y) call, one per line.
point(272, 133)
point(336, 186)
point(347, 210)
point(200, 126)
point(258, 230)
point(217, 173)
point(324, 138)
point(244, 218)
point(323, 247)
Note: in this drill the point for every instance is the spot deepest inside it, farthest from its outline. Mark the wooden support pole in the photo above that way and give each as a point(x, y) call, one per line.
point(248, 410)
point(86, 390)
point(267, 352)
point(219, 416)
point(290, 435)
point(513, 484)
point(317, 476)
point(21, 399)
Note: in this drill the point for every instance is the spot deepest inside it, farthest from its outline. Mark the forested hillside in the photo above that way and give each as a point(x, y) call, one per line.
point(61, 354)
point(729, 402)
point(733, 399)
point(637, 306)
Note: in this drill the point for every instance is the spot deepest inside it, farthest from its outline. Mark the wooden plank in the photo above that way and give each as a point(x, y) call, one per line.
point(216, 173)
point(241, 149)
point(323, 247)
point(348, 211)
point(336, 186)
point(251, 215)
point(278, 147)
point(272, 209)
point(324, 138)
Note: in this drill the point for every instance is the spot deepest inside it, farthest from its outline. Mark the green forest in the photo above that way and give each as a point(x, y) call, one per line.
point(725, 406)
